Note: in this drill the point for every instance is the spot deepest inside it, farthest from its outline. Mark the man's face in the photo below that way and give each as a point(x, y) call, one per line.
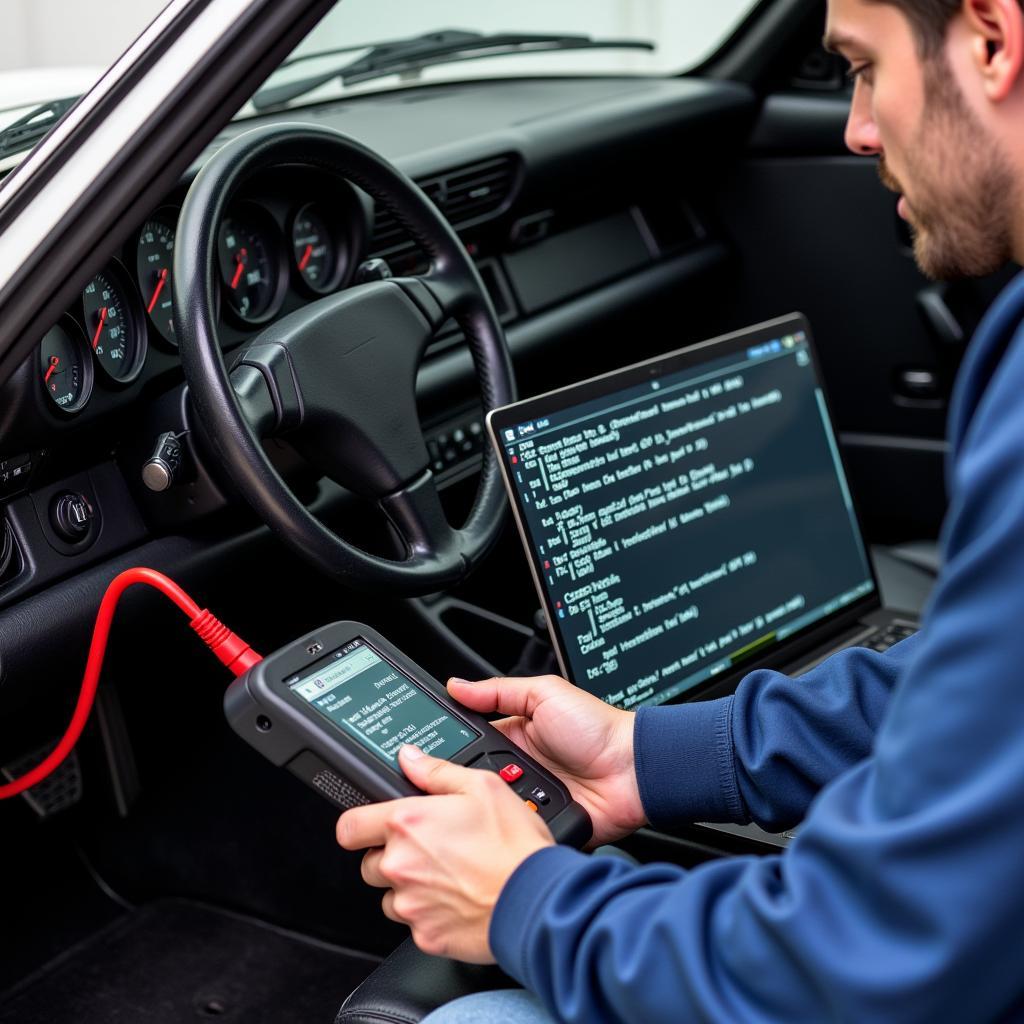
point(956, 184)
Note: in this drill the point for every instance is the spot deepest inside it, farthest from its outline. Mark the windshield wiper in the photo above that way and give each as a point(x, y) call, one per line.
point(403, 56)
point(28, 130)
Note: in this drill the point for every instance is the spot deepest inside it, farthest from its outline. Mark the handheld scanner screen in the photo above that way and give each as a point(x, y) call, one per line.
point(366, 697)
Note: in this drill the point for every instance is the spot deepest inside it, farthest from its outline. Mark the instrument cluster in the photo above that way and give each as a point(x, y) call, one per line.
point(274, 254)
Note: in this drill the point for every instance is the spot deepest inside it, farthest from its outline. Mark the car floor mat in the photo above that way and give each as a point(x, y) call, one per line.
point(174, 961)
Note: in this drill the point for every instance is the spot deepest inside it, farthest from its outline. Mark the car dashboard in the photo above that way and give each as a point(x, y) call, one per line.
point(519, 168)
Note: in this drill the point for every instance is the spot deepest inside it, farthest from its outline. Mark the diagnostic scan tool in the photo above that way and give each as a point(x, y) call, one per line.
point(336, 706)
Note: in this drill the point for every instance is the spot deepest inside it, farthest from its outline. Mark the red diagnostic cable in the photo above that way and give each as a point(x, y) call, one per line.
point(230, 648)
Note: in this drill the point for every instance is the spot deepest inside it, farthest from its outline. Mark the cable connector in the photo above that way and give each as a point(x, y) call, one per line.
point(228, 646)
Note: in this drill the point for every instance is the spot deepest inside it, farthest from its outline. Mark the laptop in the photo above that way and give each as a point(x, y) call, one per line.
point(688, 519)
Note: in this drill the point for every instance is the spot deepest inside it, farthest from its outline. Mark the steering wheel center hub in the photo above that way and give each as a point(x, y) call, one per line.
point(342, 377)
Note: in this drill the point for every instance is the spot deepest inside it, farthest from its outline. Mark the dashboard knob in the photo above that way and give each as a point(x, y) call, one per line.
point(160, 468)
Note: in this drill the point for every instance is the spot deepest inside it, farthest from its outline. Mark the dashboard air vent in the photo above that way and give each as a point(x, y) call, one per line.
point(464, 195)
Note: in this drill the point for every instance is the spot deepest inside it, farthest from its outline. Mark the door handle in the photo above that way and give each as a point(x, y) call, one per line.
point(938, 317)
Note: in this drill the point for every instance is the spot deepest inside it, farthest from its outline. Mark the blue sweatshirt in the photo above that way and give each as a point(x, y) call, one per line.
point(902, 898)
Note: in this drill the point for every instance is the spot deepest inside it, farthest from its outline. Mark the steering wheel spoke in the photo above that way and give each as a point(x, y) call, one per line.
point(452, 290)
point(255, 400)
point(417, 515)
point(275, 407)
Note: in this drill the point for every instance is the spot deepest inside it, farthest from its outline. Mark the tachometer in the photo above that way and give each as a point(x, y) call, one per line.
point(153, 267)
point(65, 366)
point(113, 322)
point(251, 257)
point(316, 252)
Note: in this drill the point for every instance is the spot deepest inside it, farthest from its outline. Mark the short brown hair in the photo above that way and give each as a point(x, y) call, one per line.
point(930, 19)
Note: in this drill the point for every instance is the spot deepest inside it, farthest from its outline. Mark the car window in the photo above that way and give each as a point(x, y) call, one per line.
point(51, 49)
point(683, 34)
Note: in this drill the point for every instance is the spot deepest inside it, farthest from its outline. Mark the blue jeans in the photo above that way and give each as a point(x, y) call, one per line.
point(510, 1006)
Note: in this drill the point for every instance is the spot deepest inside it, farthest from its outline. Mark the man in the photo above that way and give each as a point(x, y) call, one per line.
point(902, 899)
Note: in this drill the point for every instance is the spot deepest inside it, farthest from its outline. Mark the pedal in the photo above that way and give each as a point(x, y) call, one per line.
point(59, 791)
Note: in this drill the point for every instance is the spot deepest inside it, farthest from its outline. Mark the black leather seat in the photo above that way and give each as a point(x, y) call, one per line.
point(906, 574)
point(409, 984)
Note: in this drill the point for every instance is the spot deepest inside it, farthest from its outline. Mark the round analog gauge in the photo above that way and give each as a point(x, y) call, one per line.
point(251, 261)
point(113, 323)
point(65, 366)
point(315, 250)
point(153, 267)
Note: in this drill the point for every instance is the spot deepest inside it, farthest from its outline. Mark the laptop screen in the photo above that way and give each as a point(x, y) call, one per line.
point(685, 514)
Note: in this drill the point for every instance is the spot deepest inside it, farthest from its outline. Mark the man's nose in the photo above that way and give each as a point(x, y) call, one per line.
point(861, 131)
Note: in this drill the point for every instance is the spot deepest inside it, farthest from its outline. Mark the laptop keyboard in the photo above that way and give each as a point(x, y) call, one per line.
point(887, 636)
point(879, 639)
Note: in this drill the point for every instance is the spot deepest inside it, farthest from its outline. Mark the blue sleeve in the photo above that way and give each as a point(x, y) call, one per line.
point(763, 754)
point(901, 899)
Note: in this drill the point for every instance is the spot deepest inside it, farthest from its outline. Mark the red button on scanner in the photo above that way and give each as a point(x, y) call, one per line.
point(511, 772)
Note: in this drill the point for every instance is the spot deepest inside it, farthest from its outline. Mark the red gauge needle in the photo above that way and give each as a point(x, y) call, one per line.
point(99, 327)
point(240, 268)
point(160, 282)
point(54, 363)
point(305, 258)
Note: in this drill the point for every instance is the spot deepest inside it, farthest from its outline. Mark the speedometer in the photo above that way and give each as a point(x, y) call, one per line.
point(113, 323)
point(154, 257)
point(253, 272)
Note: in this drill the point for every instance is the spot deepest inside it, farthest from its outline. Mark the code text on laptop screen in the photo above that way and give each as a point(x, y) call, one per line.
point(682, 525)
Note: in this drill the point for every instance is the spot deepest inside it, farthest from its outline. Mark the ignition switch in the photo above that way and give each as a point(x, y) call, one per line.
point(162, 466)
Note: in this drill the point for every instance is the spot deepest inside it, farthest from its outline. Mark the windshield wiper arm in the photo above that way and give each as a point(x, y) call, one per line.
point(28, 130)
point(444, 47)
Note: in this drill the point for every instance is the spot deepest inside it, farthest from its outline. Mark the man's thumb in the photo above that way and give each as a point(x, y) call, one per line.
point(507, 696)
point(431, 774)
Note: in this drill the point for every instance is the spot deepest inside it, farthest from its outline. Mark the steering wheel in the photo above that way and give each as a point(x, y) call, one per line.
point(338, 377)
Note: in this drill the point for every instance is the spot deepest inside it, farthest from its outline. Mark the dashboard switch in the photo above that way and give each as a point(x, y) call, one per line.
point(372, 270)
point(14, 473)
point(71, 516)
point(160, 468)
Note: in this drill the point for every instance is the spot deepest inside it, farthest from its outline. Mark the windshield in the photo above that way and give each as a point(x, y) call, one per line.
point(683, 33)
point(52, 49)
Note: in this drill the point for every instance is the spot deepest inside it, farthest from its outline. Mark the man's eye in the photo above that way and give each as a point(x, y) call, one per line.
point(861, 71)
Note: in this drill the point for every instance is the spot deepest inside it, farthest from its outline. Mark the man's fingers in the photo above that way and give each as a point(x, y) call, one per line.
point(370, 869)
point(431, 774)
point(363, 826)
point(387, 904)
point(508, 695)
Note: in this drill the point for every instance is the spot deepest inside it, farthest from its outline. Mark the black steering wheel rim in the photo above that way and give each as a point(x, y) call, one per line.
point(437, 556)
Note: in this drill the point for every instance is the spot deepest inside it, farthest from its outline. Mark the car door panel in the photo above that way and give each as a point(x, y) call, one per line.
point(816, 231)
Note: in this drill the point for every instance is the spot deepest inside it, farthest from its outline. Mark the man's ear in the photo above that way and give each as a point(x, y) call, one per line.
point(997, 45)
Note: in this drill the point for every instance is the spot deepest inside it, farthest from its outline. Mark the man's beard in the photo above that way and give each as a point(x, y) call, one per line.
point(965, 192)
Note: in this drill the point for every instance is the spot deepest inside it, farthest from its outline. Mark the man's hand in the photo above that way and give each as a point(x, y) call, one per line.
point(587, 743)
point(445, 858)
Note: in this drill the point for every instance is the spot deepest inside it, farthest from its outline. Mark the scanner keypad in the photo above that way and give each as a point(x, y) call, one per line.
point(525, 782)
